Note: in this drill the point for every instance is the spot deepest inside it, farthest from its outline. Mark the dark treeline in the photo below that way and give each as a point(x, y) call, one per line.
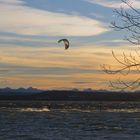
point(73, 96)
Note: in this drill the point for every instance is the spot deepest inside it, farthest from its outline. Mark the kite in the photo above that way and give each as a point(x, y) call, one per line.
point(66, 43)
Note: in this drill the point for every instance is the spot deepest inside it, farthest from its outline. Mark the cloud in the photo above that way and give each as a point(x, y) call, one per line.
point(113, 42)
point(18, 18)
point(114, 3)
point(83, 83)
point(17, 2)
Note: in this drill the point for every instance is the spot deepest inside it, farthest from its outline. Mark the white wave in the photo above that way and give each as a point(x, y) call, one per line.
point(76, 110)
point(124, 110)
point(33, 110)
point(102, 110)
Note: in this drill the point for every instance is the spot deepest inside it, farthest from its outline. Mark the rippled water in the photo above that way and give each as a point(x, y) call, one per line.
point(69, 121)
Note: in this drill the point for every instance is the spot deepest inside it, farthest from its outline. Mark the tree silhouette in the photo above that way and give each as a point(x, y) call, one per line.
point(129, 20)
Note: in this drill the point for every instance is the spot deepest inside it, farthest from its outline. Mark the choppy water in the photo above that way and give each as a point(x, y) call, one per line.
point(69, 121)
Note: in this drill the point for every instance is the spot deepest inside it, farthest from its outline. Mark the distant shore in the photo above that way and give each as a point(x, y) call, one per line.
point(64, 95)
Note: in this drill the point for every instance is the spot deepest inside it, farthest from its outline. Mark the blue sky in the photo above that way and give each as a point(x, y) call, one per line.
point(29, 30)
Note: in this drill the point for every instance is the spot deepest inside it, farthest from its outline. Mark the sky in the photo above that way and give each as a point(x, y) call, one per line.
point(31, 56)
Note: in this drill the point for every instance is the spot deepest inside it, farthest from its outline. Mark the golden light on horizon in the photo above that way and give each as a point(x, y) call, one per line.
point(52, 67)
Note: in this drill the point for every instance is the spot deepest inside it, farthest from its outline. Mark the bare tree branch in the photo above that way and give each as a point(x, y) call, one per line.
point(129, 20)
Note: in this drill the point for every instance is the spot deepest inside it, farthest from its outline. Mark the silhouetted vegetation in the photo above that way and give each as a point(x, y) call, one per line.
point(64, 95)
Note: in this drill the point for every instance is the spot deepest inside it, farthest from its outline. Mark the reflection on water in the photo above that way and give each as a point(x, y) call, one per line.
point(69, 121)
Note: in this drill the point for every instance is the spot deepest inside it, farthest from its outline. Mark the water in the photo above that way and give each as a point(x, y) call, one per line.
point(69, 120)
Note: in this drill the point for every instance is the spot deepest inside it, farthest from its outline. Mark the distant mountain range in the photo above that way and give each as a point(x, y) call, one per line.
point(29, 90)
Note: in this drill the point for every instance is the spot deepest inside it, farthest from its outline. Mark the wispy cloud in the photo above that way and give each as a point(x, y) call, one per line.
point(113, 42)
point(83, 83)
point(115, 3)
point(15, 2)
point(18, 18)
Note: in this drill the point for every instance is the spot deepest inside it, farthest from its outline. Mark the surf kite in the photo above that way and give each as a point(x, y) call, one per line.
point(66, 43)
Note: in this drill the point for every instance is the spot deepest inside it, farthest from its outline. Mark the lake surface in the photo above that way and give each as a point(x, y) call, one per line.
point(28, 120)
